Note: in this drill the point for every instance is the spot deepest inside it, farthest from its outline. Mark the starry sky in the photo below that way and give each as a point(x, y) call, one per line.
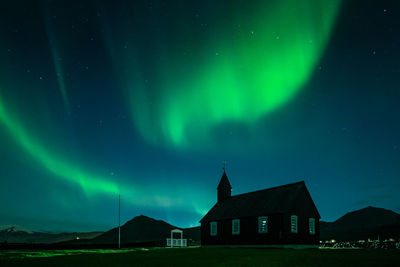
point(146, 99)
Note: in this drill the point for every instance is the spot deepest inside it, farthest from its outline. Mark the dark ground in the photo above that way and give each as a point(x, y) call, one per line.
point(217, 257)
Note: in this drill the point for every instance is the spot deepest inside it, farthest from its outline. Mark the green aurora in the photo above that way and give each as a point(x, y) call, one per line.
point(92, 184)
point(250, 64)
point(145, 99)
point(56, 60)
point(89, 183)
point(254, 61)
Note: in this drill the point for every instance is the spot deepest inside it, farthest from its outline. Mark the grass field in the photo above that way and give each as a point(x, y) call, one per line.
point(203, 257)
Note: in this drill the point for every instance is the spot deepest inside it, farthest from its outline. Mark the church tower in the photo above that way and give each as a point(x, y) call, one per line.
point(224, 188)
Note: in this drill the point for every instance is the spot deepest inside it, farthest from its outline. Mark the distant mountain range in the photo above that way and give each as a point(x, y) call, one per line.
point(14, 228)
point(362, 224)
point(17, 234)
point(366, 223)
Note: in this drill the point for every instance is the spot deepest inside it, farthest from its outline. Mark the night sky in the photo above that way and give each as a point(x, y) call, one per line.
point(147, 99)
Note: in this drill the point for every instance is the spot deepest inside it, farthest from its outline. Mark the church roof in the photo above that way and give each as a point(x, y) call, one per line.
point(280, 199)
point(224, 182)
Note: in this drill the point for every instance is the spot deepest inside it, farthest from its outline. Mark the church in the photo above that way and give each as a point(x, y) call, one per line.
point(282, 215)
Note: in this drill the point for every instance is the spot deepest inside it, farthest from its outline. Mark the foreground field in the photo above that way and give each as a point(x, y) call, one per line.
point(203, 257)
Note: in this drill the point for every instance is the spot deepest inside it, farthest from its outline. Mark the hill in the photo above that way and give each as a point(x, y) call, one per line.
point(365, 223)
point(143, 229)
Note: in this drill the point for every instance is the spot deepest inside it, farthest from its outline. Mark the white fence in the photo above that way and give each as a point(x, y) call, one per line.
point(173, 242)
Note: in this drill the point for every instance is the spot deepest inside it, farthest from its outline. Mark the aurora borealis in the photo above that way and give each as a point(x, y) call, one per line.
point(255, 62)
point(146, 99)
point(91, 184)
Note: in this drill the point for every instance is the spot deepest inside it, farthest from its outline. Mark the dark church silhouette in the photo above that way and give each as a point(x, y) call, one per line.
point(282, 215)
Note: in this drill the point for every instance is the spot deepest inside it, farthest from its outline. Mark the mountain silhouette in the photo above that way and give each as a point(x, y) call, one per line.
point(370, 222)
point(142, 229)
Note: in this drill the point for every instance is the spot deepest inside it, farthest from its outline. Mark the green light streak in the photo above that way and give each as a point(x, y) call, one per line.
point(245, 72)
point(56, 59)
point(90, 183)
point(150, 195)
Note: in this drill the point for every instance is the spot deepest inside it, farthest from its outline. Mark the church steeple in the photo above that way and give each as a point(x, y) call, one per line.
point(224, 188)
